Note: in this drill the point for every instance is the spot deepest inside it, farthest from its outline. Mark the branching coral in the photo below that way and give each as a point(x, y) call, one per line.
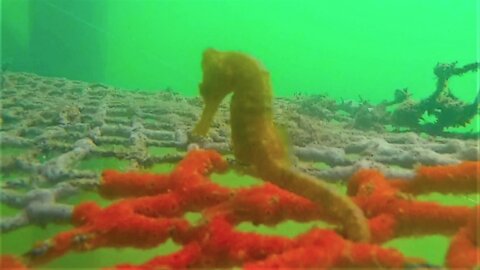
point(393, 210)
point(257, 143)
point(153, 207)
point(441, 110)
point(446, 109)
point(149, 220)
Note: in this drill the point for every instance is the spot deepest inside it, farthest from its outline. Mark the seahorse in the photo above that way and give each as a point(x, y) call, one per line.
point(256, 142)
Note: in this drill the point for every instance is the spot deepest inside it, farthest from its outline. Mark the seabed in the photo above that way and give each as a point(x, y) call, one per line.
point(58, 135)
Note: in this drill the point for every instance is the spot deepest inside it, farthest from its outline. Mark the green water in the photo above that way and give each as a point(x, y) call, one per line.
point(345, 48)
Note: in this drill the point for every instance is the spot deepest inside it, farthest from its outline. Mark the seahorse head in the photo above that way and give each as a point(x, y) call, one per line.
point(224, 73)
point(216, 84)
point(217, 77)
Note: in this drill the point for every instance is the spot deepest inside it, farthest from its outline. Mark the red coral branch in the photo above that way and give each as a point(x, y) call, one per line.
point(464, 250)
point(11, 263)
point(155, 204)
point(461, 178)
point(402, 214)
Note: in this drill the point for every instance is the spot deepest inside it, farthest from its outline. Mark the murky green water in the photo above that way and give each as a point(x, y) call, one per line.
point(346, 49)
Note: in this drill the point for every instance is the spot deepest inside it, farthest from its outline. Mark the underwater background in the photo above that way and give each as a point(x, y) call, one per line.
point(347, 50)
point(343, 48)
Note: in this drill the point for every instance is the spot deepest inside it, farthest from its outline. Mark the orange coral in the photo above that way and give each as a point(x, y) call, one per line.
point(11, 263)
point(150, 219)
point(378, 198)
point(460, 178)
point(464, 250)
point(394, 212)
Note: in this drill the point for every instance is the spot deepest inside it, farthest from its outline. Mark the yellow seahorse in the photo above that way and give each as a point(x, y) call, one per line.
point(255, 139)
